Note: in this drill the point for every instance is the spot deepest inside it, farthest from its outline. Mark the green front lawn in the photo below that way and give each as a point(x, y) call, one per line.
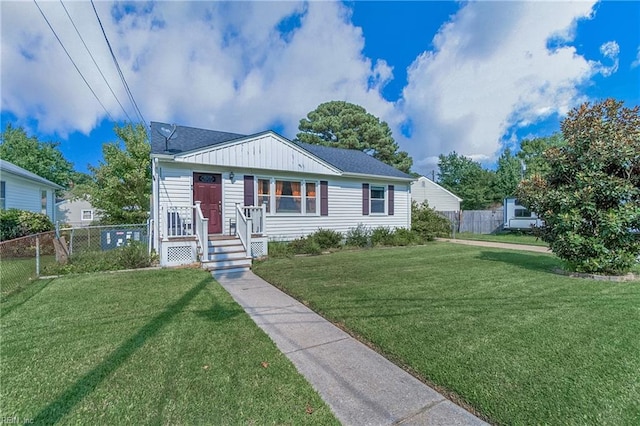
point(147, 347)
point(493, 328)
point(504, 237)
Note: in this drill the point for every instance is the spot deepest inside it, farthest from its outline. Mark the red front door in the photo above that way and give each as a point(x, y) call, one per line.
point(207, 188)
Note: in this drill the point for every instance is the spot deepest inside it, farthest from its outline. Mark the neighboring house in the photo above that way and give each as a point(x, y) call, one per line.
point(76, 212)
point(517, 217)
point(439, 198)
point(263, 187)
point(21, 189)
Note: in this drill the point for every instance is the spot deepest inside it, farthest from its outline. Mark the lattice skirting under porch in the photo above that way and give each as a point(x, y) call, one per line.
point(259, 247)
point(176, 253)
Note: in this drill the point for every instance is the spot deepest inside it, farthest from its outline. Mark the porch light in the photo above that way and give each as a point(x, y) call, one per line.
point(232, 177)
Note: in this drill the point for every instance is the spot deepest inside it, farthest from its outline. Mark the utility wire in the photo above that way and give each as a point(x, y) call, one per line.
point(72, 61)
point(124, 81)
point(94, 61)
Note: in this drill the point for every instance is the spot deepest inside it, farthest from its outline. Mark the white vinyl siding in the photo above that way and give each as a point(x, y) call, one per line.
point(344, 198)
point(345, 212)
point(175, 186)
point(23, 194)
point(438, 197)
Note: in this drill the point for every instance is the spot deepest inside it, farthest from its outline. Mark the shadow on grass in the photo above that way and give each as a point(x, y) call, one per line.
point(57, 409)
point(532, 261)
point(21, 296)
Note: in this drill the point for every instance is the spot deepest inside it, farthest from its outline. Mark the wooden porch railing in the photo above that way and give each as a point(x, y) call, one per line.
point(250, 221)
point(185, 221)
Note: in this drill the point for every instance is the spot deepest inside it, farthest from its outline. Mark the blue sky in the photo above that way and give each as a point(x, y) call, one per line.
point(473, 77)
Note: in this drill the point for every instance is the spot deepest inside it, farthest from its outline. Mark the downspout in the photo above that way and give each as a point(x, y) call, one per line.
point(156, 205)
point(410, 204)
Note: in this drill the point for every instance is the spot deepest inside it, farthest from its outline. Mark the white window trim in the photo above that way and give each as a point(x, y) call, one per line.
point(303, 195)
point(384, 200)
point(82, 212)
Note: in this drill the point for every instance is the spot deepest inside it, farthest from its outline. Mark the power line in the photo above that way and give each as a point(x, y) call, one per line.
point(113, 56)
point(94, 61)
point(72, 61)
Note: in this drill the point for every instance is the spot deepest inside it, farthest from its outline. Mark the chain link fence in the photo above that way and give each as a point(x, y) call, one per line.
point(25, 259)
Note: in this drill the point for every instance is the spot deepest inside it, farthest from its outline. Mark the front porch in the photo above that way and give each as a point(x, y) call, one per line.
point(184, 238)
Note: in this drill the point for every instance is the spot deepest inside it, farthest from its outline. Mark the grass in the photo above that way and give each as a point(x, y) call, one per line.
point(147, 347)
point(18, 273)
point(493, 328)
point(504, 237)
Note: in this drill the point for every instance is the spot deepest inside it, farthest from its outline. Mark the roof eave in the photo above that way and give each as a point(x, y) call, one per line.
point(383, 177)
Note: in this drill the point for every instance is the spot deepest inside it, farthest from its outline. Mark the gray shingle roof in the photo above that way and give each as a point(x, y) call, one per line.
point(352, 161)
point(190, 138)
point(185, 138)
point(7, 167)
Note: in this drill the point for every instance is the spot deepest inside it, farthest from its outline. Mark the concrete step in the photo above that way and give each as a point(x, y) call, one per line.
point(226, 254)
point(221, 264)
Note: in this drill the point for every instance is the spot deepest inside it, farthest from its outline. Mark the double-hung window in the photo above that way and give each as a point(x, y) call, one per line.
point(86, 215)
point(377, 200)
point(264, 191)
point(311, 198)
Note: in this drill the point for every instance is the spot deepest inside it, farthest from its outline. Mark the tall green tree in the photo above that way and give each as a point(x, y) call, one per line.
point(41, 158)
point(590, 197)
point(121, 184)
point(468, 180)
point(508, 176)
point(345, 125)
point(532, 150)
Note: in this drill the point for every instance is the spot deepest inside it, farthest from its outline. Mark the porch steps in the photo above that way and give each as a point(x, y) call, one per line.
point(226, 256)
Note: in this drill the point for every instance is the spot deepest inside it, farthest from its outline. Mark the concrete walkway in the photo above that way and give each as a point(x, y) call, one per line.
point(522, 247)
point(360, 386)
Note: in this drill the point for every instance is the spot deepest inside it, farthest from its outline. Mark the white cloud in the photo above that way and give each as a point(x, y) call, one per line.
point(610, 50)
point(243, 66)
point(636, 62)
point(229, 66)
point(494, 67)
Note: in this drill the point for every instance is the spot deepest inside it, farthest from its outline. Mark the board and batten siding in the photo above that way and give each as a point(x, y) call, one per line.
point(438, 197)
point(265, 152)
point(24, 194)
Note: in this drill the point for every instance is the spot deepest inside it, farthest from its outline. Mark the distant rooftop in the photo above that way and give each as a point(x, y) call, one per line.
point(7, 167)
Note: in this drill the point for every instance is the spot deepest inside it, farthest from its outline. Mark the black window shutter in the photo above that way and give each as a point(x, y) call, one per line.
point(324, 198)
point(365, 199)
point(391, 200)
point(248, 190)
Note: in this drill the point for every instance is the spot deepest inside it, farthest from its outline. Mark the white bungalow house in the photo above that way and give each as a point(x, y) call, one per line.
point(214, 188)
point(21, 189)
point(439, 198)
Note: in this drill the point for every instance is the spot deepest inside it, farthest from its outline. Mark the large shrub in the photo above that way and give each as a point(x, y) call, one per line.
point(427, 223)
point(16, 223)
point(589, 198)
